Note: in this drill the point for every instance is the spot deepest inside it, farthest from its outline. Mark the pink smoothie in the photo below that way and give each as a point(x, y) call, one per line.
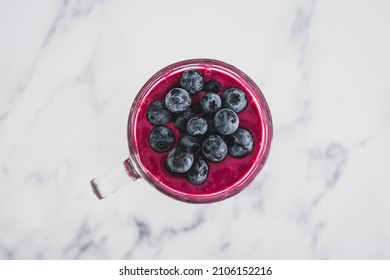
point(226, 177)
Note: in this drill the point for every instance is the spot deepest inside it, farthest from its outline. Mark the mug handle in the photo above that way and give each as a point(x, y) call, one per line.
point(114, 179)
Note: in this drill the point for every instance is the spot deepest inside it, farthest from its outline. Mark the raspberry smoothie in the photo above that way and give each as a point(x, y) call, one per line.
point(225, 176)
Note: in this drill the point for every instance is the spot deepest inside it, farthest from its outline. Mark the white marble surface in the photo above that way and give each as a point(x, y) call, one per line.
point(69, 71)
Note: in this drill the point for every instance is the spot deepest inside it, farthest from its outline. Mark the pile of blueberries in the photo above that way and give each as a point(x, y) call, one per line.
point(210, 129)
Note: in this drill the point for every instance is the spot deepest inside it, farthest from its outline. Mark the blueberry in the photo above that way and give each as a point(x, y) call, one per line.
point(212, 86)
point(192, 81)
point(210, 103)
point(179, 160)
point(161, 139)
point(197, 126)
point(235, 99)
point(191, 143)
point(240, 143)
point(182, 119)
point(226, 121)
point(177, 100)
point(198, 172)
point(158, 114)
point(214, 148)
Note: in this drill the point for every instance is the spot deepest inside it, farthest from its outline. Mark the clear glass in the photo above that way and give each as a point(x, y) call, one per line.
point(226, 178)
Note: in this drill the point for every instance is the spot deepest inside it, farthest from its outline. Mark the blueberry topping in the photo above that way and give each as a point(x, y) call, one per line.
point(214, 148)
point(177, 100)
point(179, 160)
point(240, 143)
point(197, 126)
point(191, 143)
point(161, 139)
point(211, 103)
point(212, 86)
point(208, 120)
point(182, 119)
point(235, 99)
point(158, 114)
point(198, 172)
point(226, 121)
point(192, 81)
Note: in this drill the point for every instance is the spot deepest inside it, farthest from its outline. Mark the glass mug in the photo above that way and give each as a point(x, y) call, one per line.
point(225, 177)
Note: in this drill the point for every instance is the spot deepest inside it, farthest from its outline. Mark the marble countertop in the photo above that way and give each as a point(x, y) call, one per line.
point(69, 71)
